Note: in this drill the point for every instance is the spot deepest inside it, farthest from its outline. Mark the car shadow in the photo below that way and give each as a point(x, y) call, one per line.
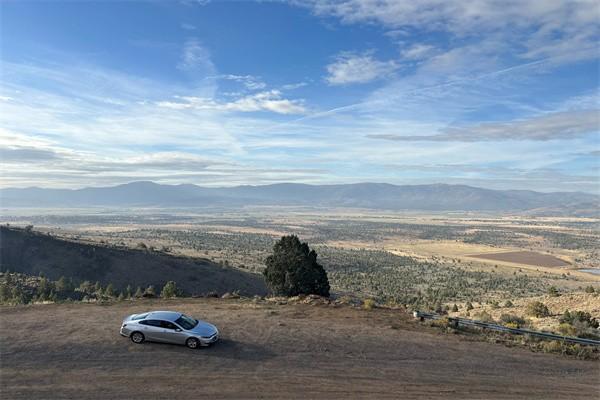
point(224, 348)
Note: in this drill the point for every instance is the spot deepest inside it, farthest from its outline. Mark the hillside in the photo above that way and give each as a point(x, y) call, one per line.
point(35, 253)
point(270, 350)
point(437, 197)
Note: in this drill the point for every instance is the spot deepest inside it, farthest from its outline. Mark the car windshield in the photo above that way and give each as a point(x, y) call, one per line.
point(186, 322)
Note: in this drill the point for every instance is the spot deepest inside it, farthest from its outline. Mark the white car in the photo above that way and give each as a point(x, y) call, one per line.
point(169, 327)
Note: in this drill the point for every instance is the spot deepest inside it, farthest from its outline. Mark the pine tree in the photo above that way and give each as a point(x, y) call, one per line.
point(169, 290)
point(110, 290)
point(292, 269)
point(150, 292)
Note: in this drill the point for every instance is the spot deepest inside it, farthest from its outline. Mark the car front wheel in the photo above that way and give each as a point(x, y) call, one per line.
point(192, 343)
point(137, 337)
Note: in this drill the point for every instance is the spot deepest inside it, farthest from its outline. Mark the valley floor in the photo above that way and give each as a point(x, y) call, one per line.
point(267, 350)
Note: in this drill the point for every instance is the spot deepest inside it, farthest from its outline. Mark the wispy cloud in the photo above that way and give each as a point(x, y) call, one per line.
point(418, 51)
point(249, 81)
point(263, 101)
point(196, 57)
point(348, 68)
point(561, 125)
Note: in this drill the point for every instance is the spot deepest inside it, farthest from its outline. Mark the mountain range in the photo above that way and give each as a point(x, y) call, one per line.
point(383, 196)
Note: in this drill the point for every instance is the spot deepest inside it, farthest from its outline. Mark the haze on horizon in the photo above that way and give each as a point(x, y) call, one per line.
point(494, 94)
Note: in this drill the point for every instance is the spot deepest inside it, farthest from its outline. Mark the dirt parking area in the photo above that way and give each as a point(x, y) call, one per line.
point(74, 351)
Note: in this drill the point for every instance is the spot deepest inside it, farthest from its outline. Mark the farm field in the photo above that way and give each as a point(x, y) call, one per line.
point(269, 351)
point(524, 257)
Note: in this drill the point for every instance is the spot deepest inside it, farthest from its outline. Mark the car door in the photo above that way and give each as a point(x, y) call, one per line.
point(152, 330)
point(172, 333)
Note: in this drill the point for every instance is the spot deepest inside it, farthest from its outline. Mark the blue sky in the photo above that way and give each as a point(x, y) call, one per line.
point(498, 94)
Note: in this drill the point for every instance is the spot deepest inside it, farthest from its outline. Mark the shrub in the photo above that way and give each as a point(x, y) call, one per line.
point(454, 308)
point(149, 292)
point(567, 329)
point(138, 292)
point(368, 304)
point(484, 317)
point(538, 309)
point(513, 321)
point(86, 287)
point(553, 291)
point(579, 316)
point(443, 322)
point(63, 285)
point(292, 269)
point(552, 346)
point(589, 289)
point(110, 290)
point(469, 306)
point(169, 290)
point(508, 304)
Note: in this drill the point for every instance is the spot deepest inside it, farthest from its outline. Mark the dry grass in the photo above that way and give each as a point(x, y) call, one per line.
point(269, 351)
point(578, 301)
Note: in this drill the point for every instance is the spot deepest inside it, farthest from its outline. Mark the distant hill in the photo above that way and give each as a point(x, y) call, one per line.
point(436, 197)
point(35, 253)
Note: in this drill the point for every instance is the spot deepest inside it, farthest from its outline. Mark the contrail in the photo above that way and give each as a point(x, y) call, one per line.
point(424, 89)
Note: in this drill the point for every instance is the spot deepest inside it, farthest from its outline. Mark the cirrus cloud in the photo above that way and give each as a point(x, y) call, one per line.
point(351, 68)
point(263, 101)
point(551, 126)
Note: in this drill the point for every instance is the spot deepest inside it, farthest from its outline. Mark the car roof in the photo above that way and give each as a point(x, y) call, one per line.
point(164, 315)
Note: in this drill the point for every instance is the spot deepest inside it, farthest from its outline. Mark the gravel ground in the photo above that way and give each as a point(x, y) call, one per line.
point(269, 351)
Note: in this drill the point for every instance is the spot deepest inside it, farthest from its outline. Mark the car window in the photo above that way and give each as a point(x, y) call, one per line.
point(186, 322)
point(140, 316)
point(151, 322)
point(167, 325)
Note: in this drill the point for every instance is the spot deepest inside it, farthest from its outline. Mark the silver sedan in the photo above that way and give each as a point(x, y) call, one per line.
point(169, 327)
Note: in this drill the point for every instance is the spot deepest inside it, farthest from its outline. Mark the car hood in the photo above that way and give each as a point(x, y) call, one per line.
point(204, 329)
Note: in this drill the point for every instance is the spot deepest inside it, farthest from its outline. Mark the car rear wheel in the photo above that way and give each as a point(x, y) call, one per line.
point(192, 343)
point(137, 337)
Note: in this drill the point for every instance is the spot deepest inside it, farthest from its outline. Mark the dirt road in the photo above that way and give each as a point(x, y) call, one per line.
point(269, 351)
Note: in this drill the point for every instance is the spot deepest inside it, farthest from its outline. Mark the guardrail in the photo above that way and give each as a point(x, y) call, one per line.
point(457, 321)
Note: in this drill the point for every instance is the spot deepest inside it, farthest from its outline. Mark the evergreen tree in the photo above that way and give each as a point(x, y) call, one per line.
point(292, 269)
point(138, 292)
point(110, 290)
point(150, 292)
point(44, 288)
point(63, 285)
point(4, 292)
point(86, 287)
point(169, 290)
